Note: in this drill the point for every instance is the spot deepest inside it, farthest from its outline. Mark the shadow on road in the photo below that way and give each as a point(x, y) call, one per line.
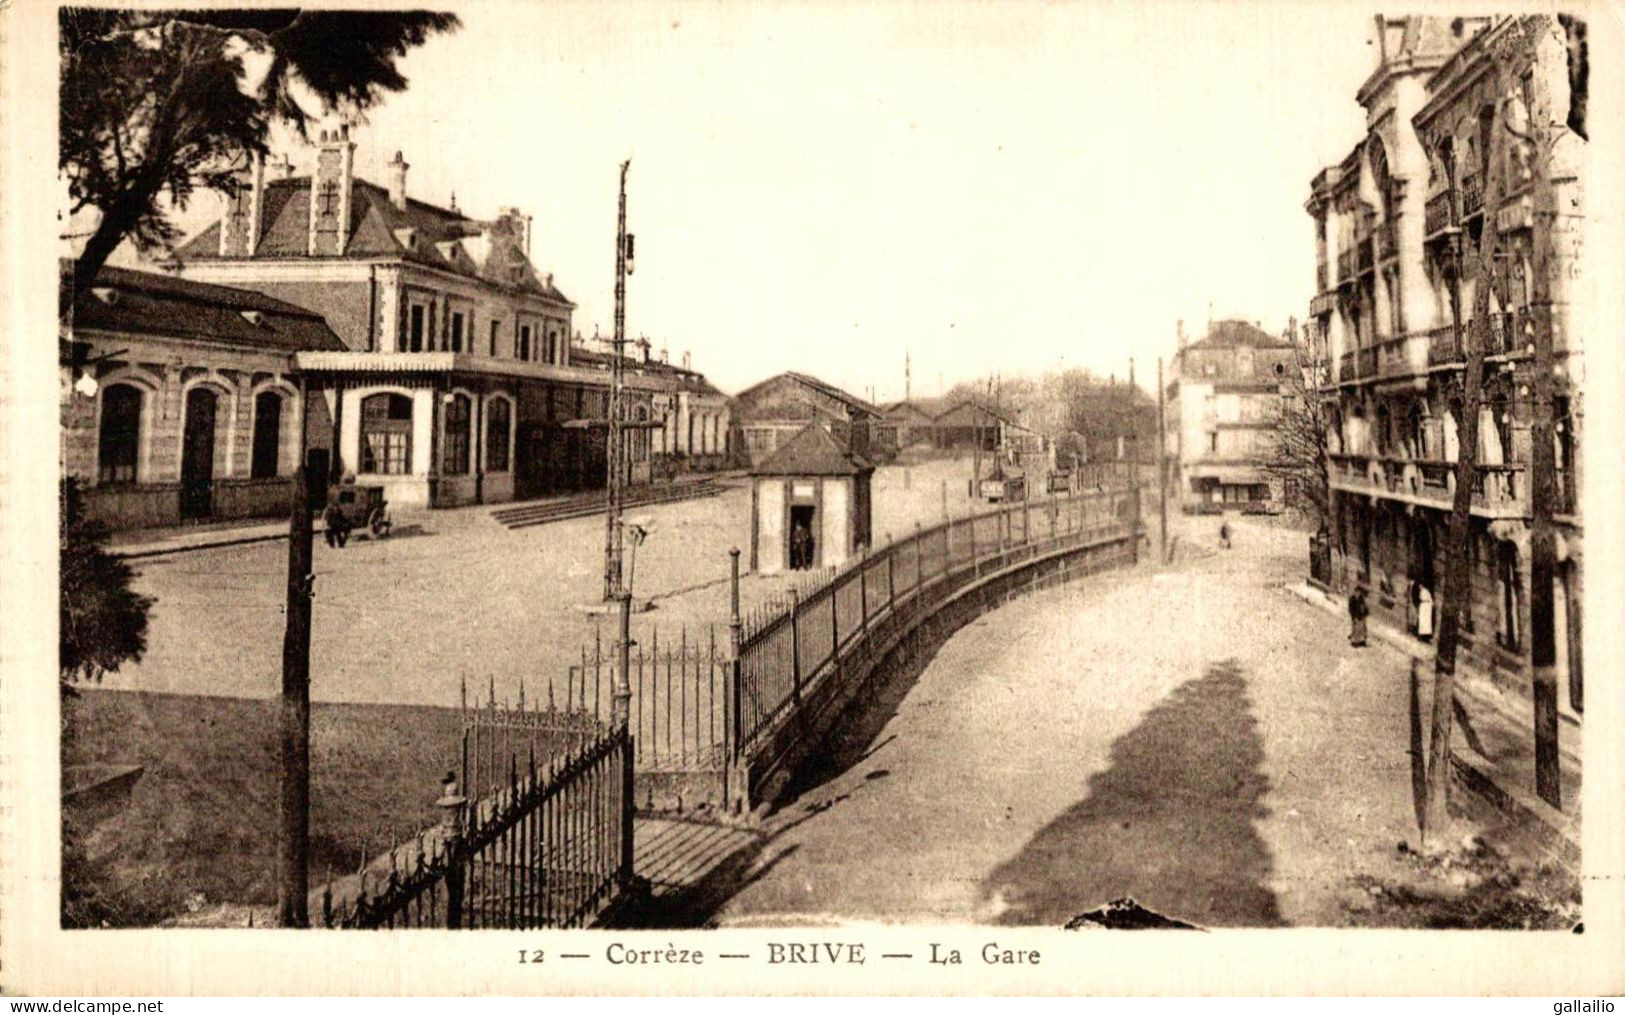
point(1170, 823)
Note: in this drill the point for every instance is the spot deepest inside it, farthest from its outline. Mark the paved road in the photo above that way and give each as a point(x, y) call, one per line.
point(457, 588)
point(1197, 739)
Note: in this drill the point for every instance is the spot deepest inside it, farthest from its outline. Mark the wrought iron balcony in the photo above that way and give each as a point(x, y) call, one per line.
point(1366, 362)
point(1499, 491)
point(1472, 194)
point(1442, 346)
point(1438, 213)
point(1320, 277)
point(1404, 356)
point(1345, 366)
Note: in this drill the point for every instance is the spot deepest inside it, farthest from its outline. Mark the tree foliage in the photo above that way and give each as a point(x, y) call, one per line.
point(1086, 414)
point(103, 622)
point(155, 104)
point(1297, 444)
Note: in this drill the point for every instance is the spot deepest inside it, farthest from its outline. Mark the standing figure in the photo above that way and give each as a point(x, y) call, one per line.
point(1224, 535)
point(801, 547)
point(1358, 611)
point(336, 527)
point(1424, 612)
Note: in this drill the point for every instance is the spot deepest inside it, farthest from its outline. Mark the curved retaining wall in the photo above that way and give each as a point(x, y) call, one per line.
point(759, 780)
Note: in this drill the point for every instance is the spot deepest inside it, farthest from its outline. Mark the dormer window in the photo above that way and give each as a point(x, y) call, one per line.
point(107, 294)
point(253, 317)
point(407, 238)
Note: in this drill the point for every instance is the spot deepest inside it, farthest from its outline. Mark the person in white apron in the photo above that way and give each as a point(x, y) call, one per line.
point(1424, 613)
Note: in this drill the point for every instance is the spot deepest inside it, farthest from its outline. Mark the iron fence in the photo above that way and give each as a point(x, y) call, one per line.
point(679, 707)
point(790, 645)
point(550, 848)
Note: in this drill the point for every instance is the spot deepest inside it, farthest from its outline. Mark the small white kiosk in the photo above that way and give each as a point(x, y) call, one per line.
point(809, 504)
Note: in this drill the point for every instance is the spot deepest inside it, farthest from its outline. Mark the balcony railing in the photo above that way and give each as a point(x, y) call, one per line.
point(1366, 361)
point(1320, 277)
point(1345, 366)
point(1472, 194)
point(1499, 491)
point(1438, 213)
point(1403, 356)
point(1442, 346)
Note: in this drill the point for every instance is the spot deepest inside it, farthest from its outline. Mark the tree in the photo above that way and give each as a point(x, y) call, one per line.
point(103, 621)
point(1512, 51)
point(157, 103)
point(1297, 448)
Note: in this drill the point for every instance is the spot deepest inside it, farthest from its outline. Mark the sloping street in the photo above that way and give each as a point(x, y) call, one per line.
point(1198, 739)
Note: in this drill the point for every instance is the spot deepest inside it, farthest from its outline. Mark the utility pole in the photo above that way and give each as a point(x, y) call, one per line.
point(1162, 467)
point(293, 838)
point(1543, 451)
point(614, 454)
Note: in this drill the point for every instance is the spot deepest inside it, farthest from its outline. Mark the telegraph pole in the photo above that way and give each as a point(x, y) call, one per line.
point(613, 452)
point(293, 838)
point(1543, 451)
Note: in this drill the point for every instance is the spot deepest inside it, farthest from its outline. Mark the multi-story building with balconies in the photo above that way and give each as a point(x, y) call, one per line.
point(1224, 402)
point(1397, 226)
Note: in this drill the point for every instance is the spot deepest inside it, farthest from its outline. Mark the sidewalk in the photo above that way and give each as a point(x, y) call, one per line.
point(1492, 747)
point(137, 543)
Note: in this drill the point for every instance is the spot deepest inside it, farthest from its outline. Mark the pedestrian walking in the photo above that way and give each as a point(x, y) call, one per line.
point(1358, 611)
point(1424, 612)
point(1224, 535)
point(335, 526)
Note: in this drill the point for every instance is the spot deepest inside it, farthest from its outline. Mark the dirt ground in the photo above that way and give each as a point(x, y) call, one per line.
point(1194, 738)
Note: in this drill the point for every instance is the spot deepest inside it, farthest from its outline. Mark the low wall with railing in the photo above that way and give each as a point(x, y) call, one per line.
point(716, 710)
point(797, 670)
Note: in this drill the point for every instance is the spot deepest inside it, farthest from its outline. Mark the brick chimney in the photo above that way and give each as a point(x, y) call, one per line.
point(397, 181)
point(240, 225)
point(330, 192)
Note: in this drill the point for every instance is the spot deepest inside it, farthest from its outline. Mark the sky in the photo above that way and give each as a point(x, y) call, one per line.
point(983, 187)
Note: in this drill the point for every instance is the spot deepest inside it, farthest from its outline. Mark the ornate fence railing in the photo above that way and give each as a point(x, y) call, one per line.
point(541, 842)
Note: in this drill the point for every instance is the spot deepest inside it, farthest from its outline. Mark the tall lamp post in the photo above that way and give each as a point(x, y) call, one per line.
point(615, 452)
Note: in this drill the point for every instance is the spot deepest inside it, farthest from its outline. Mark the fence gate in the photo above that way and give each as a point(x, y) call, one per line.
point(679, 710)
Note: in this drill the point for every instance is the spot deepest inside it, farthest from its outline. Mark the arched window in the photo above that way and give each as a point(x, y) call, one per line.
point(267, 434)
point(497, 424)
point(455, 460)
point(386, 435)
point(119, 442)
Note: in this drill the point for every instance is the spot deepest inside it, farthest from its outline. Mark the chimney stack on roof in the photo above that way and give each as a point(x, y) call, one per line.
point(686, 365)
point(1179, 329)
point(281, 167)
point(397, 181)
